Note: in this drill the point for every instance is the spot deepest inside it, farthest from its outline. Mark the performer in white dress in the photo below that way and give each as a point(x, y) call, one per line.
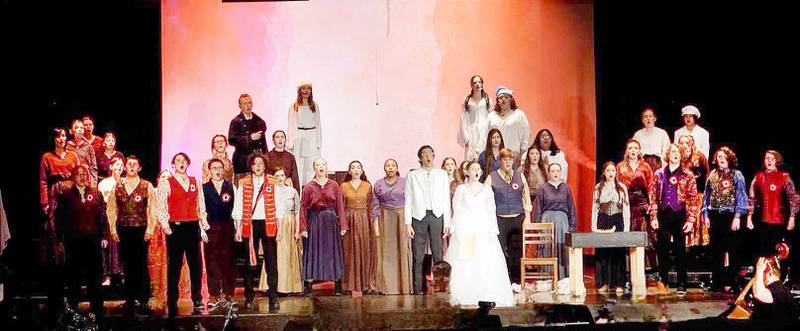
point(478, 265)
point(304, 136)
point(474, 123)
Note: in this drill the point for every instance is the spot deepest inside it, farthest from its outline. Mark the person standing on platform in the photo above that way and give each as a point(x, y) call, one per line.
point(219, 195)
point(181, 211)
point(701, 137)
point(474, 123)
point(95, 141)
point(255, 217)
point(774, 203)
point(635, 173)
point(513, 207)
point(550, 152)
point(489, 158)
point(279, 157)
point(246, 135)
point(724, 203)
point(157, 255)
point(290, 248)
point(611, 212)
point(511, 121)
point(534, 169)
point(653, 140)
point(80, 220)
point(555, 204)
point(694, 161)
point(673, 212)
point(112, 269)
point(131, 217)
point(427, 211)
point(478, 265)
point(304, 138)
point(219, 150)
point(358, 243)
point(55, 178)
point(393, 247)
point(107, 153)
point(84, 150)
point(323, 223)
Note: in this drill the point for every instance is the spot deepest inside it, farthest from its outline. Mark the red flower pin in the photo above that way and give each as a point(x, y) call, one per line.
point(673, 180)
point(89, 197)
point(226, 197)
point(773, 187)
point(269, 189)
point(726, 183)
point(515, 186)
point(192, 188)
point(138, 198)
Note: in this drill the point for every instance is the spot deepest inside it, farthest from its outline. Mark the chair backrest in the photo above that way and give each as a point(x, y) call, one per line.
point(535, 235)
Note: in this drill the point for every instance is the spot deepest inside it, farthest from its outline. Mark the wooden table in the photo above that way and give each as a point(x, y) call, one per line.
point(636, 241)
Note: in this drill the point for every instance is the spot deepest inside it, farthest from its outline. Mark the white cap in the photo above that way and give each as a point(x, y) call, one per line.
point(690, 110)
point(502, 89)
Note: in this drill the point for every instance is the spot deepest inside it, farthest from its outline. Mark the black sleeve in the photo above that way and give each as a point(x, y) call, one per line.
point(236, 137)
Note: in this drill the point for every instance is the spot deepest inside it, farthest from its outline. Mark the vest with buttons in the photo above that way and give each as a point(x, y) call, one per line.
point(182, 204)
point(132, 208)
point(507, 196)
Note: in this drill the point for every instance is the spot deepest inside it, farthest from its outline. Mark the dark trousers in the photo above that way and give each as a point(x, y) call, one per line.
point(769, 236)
point(428, 229)
point(133, 255)
point(511, 241)
point(219, 259)
point(671, 242)
point(270, 254)
point(84, 263)
point(723, 240)
point(185, 239)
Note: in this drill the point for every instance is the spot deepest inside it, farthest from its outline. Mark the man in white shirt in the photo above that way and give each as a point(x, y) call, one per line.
point(654, 140)
point(427, 211)
point(701, 137)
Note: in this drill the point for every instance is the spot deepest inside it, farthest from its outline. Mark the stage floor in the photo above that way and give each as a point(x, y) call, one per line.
point(325, 311)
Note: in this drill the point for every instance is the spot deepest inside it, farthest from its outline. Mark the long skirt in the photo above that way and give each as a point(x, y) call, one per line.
point(111, 264)
point(560, 228)
point(290, 252)
point(157, 267)
point(359, 259)
point(700, 233)
point(610, 262)
point(393, 254)
point(322, 257)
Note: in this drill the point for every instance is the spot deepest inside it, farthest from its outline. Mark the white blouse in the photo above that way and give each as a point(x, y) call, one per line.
point(515, 130)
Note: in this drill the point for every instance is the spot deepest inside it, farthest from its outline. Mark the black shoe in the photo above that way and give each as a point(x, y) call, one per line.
point(307, 289)
point(274, 305)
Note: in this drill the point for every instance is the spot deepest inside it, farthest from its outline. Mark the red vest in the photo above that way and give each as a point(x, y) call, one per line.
point(182, 204)
point(769, 187)
point(268, 196)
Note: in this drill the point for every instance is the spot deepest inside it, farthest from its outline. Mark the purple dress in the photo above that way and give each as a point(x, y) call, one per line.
point(322, 216)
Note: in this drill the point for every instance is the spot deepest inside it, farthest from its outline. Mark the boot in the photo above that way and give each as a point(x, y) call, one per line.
point(307, 289)
point(338, 287)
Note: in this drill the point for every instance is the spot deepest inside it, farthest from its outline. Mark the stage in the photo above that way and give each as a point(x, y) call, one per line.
point(433, 311)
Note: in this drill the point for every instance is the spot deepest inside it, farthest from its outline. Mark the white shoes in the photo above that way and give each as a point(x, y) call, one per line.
point(516, 288)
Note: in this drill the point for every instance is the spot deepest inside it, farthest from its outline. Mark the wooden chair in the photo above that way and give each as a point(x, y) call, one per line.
point(534, 237)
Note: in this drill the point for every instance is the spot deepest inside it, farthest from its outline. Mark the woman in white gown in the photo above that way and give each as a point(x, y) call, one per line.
point(478, 266)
